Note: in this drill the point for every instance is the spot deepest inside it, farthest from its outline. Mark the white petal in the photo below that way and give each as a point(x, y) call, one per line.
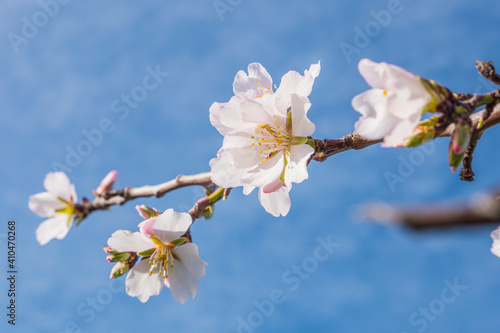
point(128, 241)
point(146, 227)
point(259, 111)
point(302, 126)
point(139, 284)
point(240, 153)
point(171, 225)
point(58, 184)
point(376, 121)
point(266, 172)
point(183, 284)
point(294, 83)
point(276, 203)
point(226, 117)
point(56, 227)
point(188, 255)
point(224, 174)
point(45, 204)
point(296, 170)
point(368, 69)
point(247, 189)
point(249, 86)
point(399, 133)
point(495, 248)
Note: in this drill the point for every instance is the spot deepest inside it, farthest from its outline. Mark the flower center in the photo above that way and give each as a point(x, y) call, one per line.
point(269, 140)
point(263, 91)
point(160, 259)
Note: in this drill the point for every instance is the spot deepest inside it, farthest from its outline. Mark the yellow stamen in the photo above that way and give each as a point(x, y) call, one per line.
point(384, 92)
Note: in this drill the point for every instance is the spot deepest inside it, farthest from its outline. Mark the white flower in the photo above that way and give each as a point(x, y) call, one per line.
point(265, 135)
point(495, 248)
point(57, 203)
point(394, 107)
point(172, 262)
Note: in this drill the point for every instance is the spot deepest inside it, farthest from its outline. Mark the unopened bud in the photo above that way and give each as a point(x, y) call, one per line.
point(107, 183)
point(437, 93)
point(208, 212)
point(458, 144)
point(119, 269)
point(423, 132)
point(122, 256)
point(147, 212)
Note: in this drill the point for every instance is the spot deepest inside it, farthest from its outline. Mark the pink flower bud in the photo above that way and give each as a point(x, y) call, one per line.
point(142, 212)
point(107, 182)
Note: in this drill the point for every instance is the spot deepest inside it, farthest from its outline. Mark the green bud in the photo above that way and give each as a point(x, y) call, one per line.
point(119, 269)
point(458, 144)
point(123, 256)
point(147, 212)
point(437, 93)
point(207, 213)
point(423, 132)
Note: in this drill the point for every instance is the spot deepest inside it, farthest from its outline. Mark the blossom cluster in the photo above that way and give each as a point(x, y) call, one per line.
point(267, 146)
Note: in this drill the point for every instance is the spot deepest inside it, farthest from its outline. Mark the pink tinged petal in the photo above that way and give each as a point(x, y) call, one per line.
point(247, 86)
point(183, 284)
point(273, 187)
point(188, 255)
point(56, 227)
point(302, 126)
point(224, 174)
point(296, 170)
point(128, 241)
point(276, 203)
point(376, 122)
point(140, 284)
point(146, 227)
point(171, 225)
point(45, 204)
point(58, 184)
point(107, 182)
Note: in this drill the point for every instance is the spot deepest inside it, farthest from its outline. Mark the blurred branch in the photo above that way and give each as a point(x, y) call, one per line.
point(483, 209)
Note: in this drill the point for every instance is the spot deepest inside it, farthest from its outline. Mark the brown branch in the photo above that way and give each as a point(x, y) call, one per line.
point(353, 141)
point(466, 173)
point(487, 70)
point(119, 197)
point(483, 210)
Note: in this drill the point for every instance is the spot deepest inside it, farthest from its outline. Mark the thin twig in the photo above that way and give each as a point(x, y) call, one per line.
point(487, 70)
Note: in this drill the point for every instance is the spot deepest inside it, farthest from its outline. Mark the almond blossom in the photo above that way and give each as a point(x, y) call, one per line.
point(265, 135)
point(57, 203)
point(495, 248)
point(394, 105)
point(172, 261)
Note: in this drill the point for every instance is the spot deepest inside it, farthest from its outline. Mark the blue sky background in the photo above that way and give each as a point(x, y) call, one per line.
point(64, 79)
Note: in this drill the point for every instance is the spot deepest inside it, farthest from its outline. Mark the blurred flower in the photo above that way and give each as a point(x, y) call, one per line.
point(265, 135)
point(495, 248)
point(395, 104)
point(172, 262)
point(57, 203)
